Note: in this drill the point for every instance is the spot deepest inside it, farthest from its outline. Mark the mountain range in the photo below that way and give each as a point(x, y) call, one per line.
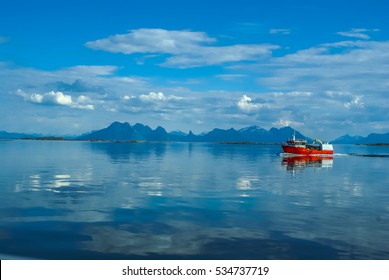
point(124, 131)
point(14, 135)
point(373, 138)
point(118, 131)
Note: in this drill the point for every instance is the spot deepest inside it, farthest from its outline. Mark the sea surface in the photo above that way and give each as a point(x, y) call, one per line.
point(106, 200)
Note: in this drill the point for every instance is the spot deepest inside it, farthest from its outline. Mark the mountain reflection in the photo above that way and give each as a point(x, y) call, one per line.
point(122, 151)
point(294, 163)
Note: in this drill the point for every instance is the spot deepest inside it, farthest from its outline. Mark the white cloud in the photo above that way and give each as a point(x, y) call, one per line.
point(348, 66)
point(89, 70)
point(283, 31)
point(127, 97)
point(186, 48)
point(300, 93)
point(218, 55)
point(151, 41)
point(355, 103)
point(158, 97)
point(287, 122)
point(245, 105)
point(57, 98)
point(151, 104)
point(359, 33)
point(93, 76)
point(293, 94)
point(98, 83)
point(231, 77)
point(36, 98)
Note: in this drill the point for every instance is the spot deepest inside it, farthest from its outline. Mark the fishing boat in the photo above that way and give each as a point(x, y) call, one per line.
point(301, 147)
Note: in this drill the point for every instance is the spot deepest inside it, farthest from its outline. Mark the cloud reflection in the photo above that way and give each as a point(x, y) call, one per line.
point(182, 239)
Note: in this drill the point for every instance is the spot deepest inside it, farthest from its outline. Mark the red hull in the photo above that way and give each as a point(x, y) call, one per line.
point(303, 158)
point(305, 151)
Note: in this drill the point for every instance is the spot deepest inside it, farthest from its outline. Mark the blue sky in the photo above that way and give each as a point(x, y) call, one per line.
point(68, 67)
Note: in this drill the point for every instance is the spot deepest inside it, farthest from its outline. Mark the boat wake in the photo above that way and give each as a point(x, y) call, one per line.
point(370, 155)
point(362, 155)
point(339, 155)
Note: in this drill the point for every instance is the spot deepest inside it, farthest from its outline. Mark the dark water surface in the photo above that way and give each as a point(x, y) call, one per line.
point(81, 200)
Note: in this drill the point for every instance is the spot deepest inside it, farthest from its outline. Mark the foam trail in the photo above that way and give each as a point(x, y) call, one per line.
point(341, 155)
point(370, 155)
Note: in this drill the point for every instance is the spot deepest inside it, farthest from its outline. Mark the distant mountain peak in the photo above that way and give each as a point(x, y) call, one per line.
point(251, 128)
point(119, 124)
point(178, 132)
point(347, 139)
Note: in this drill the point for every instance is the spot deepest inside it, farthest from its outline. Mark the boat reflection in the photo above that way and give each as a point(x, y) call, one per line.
point(293, 163)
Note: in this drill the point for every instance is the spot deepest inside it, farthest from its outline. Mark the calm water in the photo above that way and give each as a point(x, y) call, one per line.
point(81, 200)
